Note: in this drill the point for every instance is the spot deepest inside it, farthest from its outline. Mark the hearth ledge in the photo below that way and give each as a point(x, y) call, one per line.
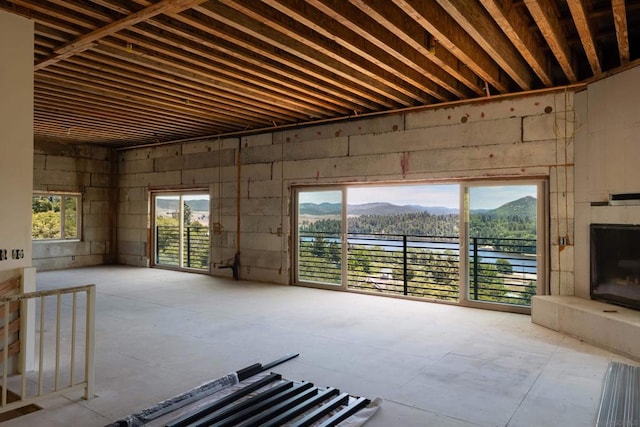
point(605, 325)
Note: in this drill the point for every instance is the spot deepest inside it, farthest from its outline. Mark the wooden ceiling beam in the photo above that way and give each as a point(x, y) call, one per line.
point(296, 98)
point(357, 32)
point(63, 105)
point(136, 102)
point(510, 19)
point(87, 41)
point(259, 56)
point(87, 102)
point(546, 18)
point(318, 49)
point(115, 56)
point(483, 29)
point(180, 63)
point(160, 70)
point(161, 97)
point(580, 14)
point(450, 35)
point(129, 128)
point(622, 32)
point(69, 128)
point(192, 44)
point(85, 124)
point(264, 96)
point(375, 88)
point(413, 35)
point(268, 54)
point(104, 68)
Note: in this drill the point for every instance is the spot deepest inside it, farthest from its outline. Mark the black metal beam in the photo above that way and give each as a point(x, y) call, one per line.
point(276, 410)
point(286, 358)
point(230, 410)
point(251, 410)
point(249, 371)
point(221, 403)
point(301, 408)
point(314, 416)
point(345, 413)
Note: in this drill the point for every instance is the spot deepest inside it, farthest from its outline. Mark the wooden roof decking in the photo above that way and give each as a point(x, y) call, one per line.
point(132, 72)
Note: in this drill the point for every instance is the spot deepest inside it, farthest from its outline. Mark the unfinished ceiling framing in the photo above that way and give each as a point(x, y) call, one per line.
point(132, 72)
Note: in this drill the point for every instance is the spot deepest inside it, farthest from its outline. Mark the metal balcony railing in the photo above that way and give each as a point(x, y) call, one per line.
point(195, 246)
point(501, 270)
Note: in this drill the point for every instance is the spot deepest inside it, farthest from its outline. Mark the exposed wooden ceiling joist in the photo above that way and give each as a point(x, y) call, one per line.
point(513, 24)
point(578, 10)
point(129, 72)
point(484, 30)
point(86, 40)
point(622, 33)
point(547, 20)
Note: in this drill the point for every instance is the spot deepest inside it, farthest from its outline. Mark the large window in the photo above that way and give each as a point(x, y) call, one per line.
point(55, 216)
point(471, 242)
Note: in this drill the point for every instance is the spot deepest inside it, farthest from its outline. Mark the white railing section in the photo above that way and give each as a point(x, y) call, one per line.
point(64, 345)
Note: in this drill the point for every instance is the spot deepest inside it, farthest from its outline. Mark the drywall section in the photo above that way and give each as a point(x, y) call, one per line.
point(250, 180)
point(16, 143)
point(86, 170)
point(607, 153)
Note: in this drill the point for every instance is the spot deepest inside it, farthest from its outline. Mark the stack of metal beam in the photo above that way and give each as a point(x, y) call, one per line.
point(254, 397)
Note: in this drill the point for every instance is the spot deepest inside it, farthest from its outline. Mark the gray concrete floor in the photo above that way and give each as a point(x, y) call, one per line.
point(162, 332)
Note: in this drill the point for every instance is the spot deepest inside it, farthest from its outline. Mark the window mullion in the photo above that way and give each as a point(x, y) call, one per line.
point(63, 202)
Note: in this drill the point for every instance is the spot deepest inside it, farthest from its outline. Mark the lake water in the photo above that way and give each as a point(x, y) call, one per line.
point(519, 263)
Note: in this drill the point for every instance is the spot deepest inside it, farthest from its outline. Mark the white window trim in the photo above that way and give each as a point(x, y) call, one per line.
point(77, 238)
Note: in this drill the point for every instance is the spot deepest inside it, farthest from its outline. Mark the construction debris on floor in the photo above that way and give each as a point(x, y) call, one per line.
point(254, 396)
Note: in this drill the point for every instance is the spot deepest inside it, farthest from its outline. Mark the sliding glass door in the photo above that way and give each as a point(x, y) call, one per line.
point(468, 242)
point(181, 230)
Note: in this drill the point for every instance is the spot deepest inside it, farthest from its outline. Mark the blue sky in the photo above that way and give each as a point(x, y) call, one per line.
point(446, 195)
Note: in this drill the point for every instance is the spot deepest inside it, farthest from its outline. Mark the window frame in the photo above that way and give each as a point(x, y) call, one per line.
point(62, 195)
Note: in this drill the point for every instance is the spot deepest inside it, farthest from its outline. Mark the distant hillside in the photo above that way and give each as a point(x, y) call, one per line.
point(196, 205)
point(523, 208)
point(515, 220)
point(378, 208)
point(319, 209)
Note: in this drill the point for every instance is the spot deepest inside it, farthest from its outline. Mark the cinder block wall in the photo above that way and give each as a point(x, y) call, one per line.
point(527, 136)
point(80, 169)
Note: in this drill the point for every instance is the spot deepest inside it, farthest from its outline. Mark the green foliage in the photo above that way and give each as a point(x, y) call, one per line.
point(45, 225)
point(504, 266)
point(195, 240)
point(46, 217)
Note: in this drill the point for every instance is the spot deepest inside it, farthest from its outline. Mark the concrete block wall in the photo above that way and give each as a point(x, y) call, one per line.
point(80, 169)
point(522, 137)
point(197, 165)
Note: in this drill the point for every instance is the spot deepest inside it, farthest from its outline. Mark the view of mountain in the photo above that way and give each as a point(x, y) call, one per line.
point(377, 208)
point(515, 219)
point(525, 206)
point(319, 209)
point(196, 205)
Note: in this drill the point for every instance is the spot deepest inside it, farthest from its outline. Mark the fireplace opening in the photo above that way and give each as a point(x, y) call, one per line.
point(615, 264)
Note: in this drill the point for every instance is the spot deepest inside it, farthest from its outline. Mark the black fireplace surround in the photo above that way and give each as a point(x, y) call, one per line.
point(615, 264)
